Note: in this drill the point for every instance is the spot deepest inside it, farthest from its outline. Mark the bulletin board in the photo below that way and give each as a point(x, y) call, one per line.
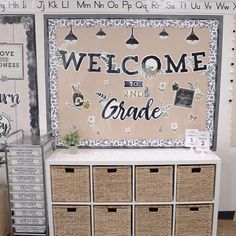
point(18, 75)
point(137, 81)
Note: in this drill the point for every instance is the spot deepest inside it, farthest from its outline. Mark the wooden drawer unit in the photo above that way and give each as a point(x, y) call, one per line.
point(70, 183)
point(194, 220)
point(153, 220)
point(195, 183)
point(112, 184)
point(154, 183)
point(72, 220)
point(112, 220)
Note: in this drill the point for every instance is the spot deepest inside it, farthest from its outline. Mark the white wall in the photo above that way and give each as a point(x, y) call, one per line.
point(227, 153)
point(224, 150)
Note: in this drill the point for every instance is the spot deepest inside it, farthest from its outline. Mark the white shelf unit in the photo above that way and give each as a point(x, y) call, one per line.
point(133, 158)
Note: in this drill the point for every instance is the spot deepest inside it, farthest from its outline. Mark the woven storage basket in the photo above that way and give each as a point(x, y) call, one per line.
point(153, 220)
point(195, 183)
point(112, 184)
point(72, 220)
point(194, 220)
point(154, 183)
point(70, 183)
point(112, 220)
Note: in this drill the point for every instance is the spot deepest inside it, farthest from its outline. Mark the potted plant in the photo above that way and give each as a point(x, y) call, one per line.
point(72, 140)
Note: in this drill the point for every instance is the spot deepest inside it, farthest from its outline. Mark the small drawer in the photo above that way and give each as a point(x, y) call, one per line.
point(27, 196)
point(25, 152)
point(112, 184)
point(24, 161)
point(195, 183)
point(29, 229)
point(25, 170)
point(28, 213)
point(30, 179)
point(26, 187)
point(154, 183)
point(29, 221)
point(153, 220)
point(194, 220)
point(112, 220)
point(28, 205)
point(72, 220)
point(70, 183)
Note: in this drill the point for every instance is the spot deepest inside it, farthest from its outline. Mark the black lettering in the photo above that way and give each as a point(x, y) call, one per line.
point(111, 66)
point(72, 58)
point(125, 60)
point(92, 63)
point(198, 61)
point(181, 64)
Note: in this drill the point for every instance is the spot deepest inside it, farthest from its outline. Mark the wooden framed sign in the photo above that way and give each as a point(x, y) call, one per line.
point(18, 75)
point(137, 81)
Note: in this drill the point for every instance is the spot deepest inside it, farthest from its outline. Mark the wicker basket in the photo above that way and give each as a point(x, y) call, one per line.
point(112, 220)
point(70, 184)
point(194, 220)
point(72, 220)
point(153, 220)
point(195, 183)
point(154, 183)
point(112, 184)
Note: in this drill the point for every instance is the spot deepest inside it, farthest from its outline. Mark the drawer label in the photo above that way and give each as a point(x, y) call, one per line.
point(27, 196)
point(31, 229)
point(27, 188)
point(26, 179)
point(35, 213)
point(33, 205)
point(25, 170)
point(21, 161)
point(29, 221)
point(25, 152)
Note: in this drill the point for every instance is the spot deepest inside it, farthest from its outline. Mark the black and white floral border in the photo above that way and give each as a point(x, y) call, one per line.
point(28, 22)
point(211, 24)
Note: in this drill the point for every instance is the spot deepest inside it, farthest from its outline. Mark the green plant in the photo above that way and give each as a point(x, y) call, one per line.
point(72, 138)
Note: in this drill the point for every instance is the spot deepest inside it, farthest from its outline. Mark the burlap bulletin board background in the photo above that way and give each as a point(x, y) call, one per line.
point(142, 97)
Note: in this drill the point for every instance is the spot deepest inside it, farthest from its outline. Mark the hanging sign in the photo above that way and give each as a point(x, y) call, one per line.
point(11, 61)
point(130, 84)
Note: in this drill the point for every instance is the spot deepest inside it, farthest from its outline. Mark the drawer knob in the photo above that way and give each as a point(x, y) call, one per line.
point(196, 170)
point(69, 170)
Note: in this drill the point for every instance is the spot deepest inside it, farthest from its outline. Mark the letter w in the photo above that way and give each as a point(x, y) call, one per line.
point(72, 58)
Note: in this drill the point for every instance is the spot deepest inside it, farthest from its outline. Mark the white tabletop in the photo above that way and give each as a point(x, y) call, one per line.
point(131, 156)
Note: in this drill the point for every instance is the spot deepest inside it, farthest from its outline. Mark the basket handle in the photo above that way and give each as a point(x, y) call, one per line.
point(196, 170)
point(154, 170)
point(153, 209)
point(69, 170)
point(71, 209)
point(194, 208)
point(113, 170)
point(112, 209)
